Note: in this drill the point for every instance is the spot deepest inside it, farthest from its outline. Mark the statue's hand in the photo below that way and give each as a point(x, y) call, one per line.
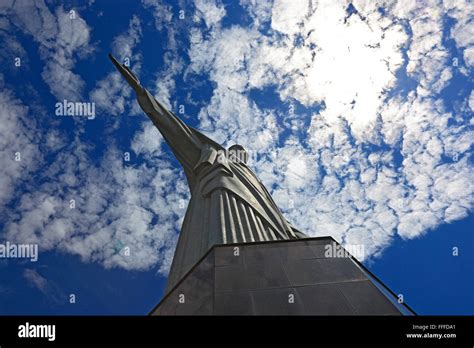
point(144, 98)
point(127, 74)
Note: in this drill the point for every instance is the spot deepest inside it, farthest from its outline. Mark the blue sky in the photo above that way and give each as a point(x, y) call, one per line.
point(357, 117)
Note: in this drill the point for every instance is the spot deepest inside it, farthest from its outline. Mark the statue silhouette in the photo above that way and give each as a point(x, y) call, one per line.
point(228, 202)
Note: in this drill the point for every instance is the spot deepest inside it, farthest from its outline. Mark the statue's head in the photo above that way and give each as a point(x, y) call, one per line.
point(238, 154)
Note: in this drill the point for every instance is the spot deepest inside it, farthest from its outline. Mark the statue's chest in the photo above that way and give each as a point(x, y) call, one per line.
point(216, 171)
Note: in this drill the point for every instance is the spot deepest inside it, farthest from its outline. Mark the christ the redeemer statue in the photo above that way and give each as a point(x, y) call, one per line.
point(228, 202)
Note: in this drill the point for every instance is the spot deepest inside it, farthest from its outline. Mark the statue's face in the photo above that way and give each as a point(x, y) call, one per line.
point(237, 153)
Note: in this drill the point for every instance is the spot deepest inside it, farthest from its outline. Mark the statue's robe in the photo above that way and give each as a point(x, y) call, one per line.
point(228, 203)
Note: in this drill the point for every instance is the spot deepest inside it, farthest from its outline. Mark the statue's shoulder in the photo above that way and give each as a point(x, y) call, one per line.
point(210, 159)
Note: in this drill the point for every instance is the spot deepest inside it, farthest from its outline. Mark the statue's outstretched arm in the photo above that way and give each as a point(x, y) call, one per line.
point(184, 143)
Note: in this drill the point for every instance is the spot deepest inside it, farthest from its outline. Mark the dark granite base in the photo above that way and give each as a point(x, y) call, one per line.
point(279, 278)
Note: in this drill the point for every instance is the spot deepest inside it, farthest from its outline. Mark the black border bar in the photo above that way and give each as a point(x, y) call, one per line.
point(142, 330)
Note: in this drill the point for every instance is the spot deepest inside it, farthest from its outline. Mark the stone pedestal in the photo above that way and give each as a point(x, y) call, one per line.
point(295, 277)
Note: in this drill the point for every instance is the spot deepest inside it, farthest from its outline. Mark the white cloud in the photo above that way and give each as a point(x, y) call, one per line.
point(211, 12)
point(428, 58)
point(124, 44)
point(49, 289)
point(112, 94)
point(288, 15)
point(73, 37)
point(147, 142)
point(118, 205)
point(463, 30)
point(119, 208)
point(161, 12)
point(36, 279)
point(366, 52)
point(368, 167)
point(231, 117)
point(19, 153)
point(259, 11)
point(61, 38)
